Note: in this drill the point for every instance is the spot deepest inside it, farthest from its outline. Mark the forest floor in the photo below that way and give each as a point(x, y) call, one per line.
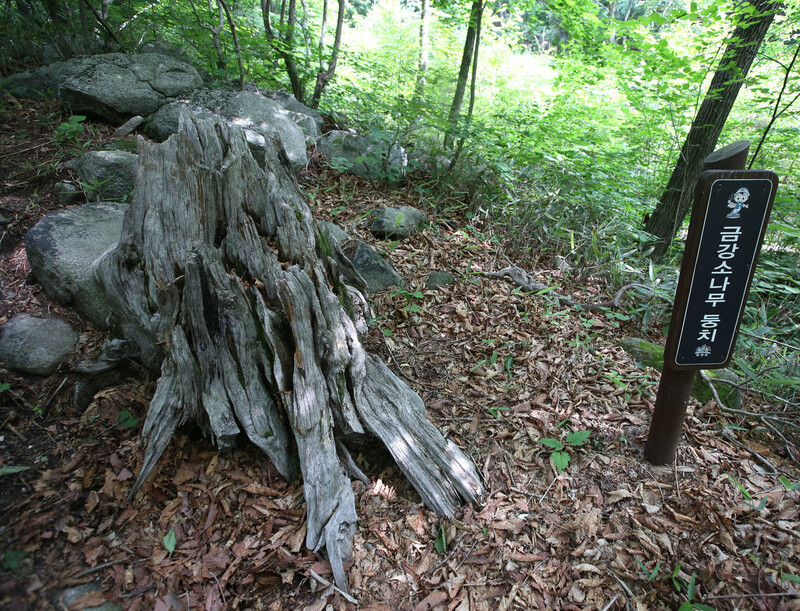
point(499, 371)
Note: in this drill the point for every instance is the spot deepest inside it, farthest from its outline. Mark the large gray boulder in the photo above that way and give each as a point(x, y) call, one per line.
point(62, 248)
point(368, 157)
point(259, 117)
point(307, 119)
point(106, 175)
point(35, 345)
point(38, 83)
point(396, 222)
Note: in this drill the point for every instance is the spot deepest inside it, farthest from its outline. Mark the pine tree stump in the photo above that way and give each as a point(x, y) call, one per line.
point(231, 289)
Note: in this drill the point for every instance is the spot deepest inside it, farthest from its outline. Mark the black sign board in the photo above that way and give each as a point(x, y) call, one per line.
point(728, 222)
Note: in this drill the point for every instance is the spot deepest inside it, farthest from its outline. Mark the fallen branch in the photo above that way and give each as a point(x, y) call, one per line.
point(524, 281)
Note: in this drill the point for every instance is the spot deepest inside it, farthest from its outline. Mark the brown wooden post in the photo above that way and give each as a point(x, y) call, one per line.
point(676, 383)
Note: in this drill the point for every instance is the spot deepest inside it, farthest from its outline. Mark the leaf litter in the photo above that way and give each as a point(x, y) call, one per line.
point(499, 371)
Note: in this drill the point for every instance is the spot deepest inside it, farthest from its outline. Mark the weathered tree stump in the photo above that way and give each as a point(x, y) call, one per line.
point(228, 286)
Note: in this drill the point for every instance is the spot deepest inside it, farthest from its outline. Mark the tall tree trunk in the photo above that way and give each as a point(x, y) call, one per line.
point(283, 44)
point(424, 48)
point(463, 74)
point(324, 75)
point(472, 89)
point(225, 282)
point(236, 48)
point(707, 125)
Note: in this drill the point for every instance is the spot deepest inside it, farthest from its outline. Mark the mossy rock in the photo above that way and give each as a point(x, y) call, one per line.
point(648, 354)
point(729, 395)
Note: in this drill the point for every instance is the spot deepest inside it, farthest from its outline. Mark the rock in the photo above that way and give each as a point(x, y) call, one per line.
point(37, 84)
point(336, 233)
point(117, 86)
point(63, 246)
point(70, 598)
point(259, 117)
point(368, 157)
point(307, 119)
point(67, 193)
point(375, 271)
point(729, 395)
point(35, 345)
point(437, 279)
point(106, 175)
point(397, 223)
point(646, 354)
point(649, 354)
point(128, 127)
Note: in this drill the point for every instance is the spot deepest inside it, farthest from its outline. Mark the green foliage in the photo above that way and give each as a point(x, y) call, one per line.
point(170, 540)
point(126, 419)
point(12, 559)
point(69, 129)
point(560, 454)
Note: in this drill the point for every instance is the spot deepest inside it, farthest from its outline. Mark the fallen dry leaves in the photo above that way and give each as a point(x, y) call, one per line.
point(499, 371)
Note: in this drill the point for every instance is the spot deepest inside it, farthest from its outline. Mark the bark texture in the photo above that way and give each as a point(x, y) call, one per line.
point(228, 286)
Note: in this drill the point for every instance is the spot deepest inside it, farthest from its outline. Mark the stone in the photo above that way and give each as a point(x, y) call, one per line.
point(106, 175)
point(368, 157)
point(37, 84)
point(648, 354)
point(307, 119)
point(128, 127)
point(259, 117)
point(35, 345)
point(375, 271)
point(336, 233)
point(117, 86)
point(437, 279)
point(68, 193)
point(62, 248)
point(69, 597)
point(396, 223)
point(644, 353)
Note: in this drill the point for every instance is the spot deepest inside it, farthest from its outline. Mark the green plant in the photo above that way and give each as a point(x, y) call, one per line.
point(560, 454)
point(126, 419)
point(690, 588)
point(12, 559)
point(70, 129)
point(749, 497)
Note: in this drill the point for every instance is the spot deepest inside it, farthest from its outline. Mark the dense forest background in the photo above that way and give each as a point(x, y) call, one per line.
point(555, 125)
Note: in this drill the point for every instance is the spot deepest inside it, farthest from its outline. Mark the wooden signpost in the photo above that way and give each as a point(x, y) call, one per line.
point(729, 218)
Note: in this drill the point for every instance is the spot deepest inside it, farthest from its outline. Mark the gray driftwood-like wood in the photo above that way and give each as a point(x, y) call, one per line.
point(227, 285)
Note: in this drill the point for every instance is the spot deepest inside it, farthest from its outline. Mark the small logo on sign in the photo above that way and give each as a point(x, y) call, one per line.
point(703, 350)
point(737, 202)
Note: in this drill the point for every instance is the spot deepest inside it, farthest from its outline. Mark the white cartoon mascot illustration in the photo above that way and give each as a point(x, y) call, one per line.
point(736, 202)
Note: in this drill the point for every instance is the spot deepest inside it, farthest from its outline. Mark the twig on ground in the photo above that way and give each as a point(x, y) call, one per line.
point(524, 281)
point(105, 565)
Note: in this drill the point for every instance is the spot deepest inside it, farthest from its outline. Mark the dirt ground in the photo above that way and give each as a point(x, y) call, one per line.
point(500, 371)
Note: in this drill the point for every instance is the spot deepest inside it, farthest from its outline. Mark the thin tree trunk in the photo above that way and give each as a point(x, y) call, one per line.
point(236, 48)
point(707, 125)
point(463, 75)
point(472, 89)
point(226, 284)
point(424, 48)
point(324, 75)
point(283, 45)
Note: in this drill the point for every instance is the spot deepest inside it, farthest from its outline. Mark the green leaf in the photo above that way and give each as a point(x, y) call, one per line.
point(170, 540)
point(788, 484)
point(560, 460)
point(4, 386)
point(127, 419)
point(578, 438)
point(552, 443)
point(9, 470)
point(790, 577)
point(12, 558)
point(702, 607)
point(440, 545)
